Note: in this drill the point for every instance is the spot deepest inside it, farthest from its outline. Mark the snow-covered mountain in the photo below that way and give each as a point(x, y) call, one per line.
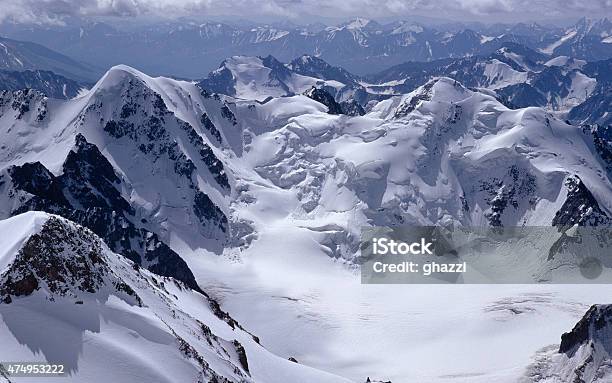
point(312, 66)
point(257, 199)
point(175, 158)
point(255, 78)
point(584, 354)
point(454, 134)
point(511, 64)
point(596, 108)
point(519, 76)
point(564, 85)
point(119, 161)
point(588, 39)
point(66, 297)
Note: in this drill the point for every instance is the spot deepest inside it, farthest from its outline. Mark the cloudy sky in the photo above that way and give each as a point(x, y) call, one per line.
point(54, 11)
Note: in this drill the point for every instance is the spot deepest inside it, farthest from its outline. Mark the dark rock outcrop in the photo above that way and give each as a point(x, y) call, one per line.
point(580, 207)
point(352, 108)
point(64, 260)
point(597, 319)
point(323, 96)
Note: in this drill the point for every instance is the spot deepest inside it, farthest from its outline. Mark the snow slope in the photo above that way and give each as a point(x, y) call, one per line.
point(97, 300)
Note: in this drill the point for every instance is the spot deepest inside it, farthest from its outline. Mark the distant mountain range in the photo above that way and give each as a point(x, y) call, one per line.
point(23, 55)
point(517, 76)
point(27, 65)
point(361, 45)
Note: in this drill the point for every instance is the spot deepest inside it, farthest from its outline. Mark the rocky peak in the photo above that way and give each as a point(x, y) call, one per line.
point(595, 326)
point(361, 23)
point(423, 93)
point(580, 207)
point(313, 66)
point(278, 69)
point(61, 259)
point(352, 108)
point(323, 96)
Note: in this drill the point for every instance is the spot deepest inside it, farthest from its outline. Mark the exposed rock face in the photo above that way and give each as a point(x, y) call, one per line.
point(22, 104)
point(322, 96)
point(518, 185)
point(596, 320)
point(215, 166)
point(220, 81)
point(348, 107)
point(352, 108)
point(424, 94)
point(602, 140)
point(580, 207)
point(315, 67)
point(212, 129)
point(148, 131)
point(584, 355)
point(63, 260)
point(227, 113)
point(588, 346)
point(161, 156)
point(208, 212)
point(86, 170)
point(521, 96)
point(242, 356)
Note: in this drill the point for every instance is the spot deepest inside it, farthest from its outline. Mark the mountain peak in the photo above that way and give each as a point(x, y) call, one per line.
point(117, 75)
point(59, 258)
point(358, 23)
point(306, 59)
point(406, 27)
point(592, 327)
point(439, 89)
point(309, 65)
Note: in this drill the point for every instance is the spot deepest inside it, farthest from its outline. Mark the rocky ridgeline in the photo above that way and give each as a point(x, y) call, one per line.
point(62, 260)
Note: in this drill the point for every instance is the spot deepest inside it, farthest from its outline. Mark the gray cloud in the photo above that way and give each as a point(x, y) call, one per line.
point(55, 11)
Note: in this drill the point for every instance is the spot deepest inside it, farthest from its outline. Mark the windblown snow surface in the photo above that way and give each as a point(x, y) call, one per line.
point(302, 183)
